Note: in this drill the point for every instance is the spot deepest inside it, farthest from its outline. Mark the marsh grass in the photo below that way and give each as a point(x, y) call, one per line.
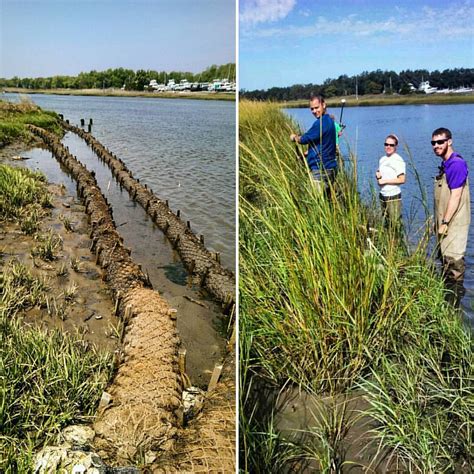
point(22, 192)
point(15, 116)
point(329, 297)
point(49, 244)
point(378, 100)
point(76, 264)
point(66, 223)
point(20, 289)
point(48, 380)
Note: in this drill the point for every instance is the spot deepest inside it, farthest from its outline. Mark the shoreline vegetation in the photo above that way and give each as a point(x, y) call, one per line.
point(45, 282)
point(333, 305)
point(15, 116)
point(40, 317)
point(382, 100)
point(226, 96)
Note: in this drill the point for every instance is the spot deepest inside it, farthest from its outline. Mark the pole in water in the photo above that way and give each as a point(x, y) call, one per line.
point(342, 110)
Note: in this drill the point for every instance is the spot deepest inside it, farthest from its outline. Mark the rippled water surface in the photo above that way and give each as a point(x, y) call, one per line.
point(366, 129)
point(183, 149)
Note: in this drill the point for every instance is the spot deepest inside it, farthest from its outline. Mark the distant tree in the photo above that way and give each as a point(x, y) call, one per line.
point(405, 89)
point(330, 90)
point(373, 87)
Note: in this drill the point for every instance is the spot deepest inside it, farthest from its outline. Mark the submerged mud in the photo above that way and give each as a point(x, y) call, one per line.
point(201, 263)
point(143, 410)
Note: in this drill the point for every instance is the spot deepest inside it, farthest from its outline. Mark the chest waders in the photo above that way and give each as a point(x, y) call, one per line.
point(452, 245)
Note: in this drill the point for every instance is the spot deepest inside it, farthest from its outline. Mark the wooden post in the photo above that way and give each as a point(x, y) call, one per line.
point(216, 373)
point(182, 367)
point(178, 213)
point(182, 360)
point(201, 239)
point(231, 343)
point(89, 128)
point(128, 314)
point(117, 304)
point(82, 122)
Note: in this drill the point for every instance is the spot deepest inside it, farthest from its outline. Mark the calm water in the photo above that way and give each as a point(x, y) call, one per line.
point(366, 129)
point(183, 149)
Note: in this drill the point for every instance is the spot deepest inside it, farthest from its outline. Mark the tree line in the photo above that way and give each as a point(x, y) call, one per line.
point(375, 82)
point(118, 78)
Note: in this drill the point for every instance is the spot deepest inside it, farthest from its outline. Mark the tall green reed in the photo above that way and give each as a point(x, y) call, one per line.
point(318, 291)
point(329, 297)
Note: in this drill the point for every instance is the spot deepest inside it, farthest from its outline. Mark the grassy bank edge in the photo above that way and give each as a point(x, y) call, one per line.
point(225, 96)
point(377, 100)
point(14, 116)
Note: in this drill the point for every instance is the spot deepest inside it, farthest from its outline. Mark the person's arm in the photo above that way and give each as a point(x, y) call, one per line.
point(451, 208)
point(400, 179)
point(313, 135)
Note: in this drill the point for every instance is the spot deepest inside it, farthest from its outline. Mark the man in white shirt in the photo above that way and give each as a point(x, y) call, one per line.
point(390, 175)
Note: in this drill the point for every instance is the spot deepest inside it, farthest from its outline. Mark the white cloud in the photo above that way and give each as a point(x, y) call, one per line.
point(261, 11)
point(421, 25)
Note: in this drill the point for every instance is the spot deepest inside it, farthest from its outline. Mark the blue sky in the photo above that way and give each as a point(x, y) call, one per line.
point(65, 37)
point(285, 42)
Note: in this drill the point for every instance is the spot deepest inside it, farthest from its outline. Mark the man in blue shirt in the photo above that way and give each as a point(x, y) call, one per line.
point(321, 139)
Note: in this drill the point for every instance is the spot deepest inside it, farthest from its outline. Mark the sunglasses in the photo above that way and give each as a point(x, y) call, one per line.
point(389, 144)
point(439, 142)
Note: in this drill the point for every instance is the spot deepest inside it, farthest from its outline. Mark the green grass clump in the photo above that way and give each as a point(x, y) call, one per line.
point(330, 298)
point(15, 116)
point(19, 289)
point(48, 245)
point(23, 194)
point(48, 380)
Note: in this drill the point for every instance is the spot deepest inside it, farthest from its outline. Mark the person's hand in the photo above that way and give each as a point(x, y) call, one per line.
point(293, 137)
point(378, 175)
point(443, 230)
